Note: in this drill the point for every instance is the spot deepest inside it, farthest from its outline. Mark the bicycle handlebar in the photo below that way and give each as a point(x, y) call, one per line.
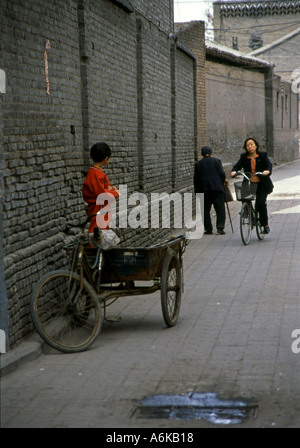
point(251, 176)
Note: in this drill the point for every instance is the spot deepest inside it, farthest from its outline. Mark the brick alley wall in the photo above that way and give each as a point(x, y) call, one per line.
point(235, 108)
point(192, 34)
point(243, 102)
point(286, 121)
point(115, 74)
point(42, 156)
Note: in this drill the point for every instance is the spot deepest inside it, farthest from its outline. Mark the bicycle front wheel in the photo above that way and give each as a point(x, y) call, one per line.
point(259, 228)
point(66, 311)
point(246, 222)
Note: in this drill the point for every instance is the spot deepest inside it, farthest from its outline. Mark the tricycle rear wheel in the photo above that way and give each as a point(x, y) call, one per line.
point(171, 288)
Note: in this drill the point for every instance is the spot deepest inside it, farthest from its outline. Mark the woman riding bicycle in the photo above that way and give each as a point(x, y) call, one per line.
point(253, 161)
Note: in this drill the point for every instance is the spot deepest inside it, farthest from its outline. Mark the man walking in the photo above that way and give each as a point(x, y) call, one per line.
point(209, 178)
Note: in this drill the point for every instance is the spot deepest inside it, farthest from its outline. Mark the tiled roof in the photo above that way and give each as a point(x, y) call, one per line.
point(223, 52)
point(275, 43)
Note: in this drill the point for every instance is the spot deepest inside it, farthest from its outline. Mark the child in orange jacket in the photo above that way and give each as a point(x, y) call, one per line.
point(97, 182)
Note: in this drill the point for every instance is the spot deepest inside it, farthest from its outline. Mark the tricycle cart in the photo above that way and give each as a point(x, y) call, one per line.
point(68, 306)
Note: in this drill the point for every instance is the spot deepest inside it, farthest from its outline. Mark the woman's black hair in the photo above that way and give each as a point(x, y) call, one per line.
point(255, 141)
point(99, 151)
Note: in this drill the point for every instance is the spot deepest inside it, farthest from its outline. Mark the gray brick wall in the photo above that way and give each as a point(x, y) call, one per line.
point(110, 74)
point(185, 106)
point(242, 102)
point(286, 127)
point(235, 108)
point(159, 13)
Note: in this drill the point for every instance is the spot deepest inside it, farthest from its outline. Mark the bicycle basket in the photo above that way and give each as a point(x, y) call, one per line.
point(244, 190)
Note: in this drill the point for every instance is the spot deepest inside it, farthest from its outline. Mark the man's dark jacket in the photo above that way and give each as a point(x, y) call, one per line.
point(262, 163)
point(209, 175)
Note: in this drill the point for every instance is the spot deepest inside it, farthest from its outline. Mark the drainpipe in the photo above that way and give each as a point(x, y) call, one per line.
point(4, 321)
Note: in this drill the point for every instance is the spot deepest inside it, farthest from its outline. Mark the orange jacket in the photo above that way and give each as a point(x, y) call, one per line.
point(96, 182)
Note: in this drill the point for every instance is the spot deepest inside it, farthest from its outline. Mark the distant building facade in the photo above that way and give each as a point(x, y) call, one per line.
point(250, 24)
point(284, 53)
point(244, 97)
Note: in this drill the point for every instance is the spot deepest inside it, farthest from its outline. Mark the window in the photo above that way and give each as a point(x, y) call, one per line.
point(277, 99)
point(235, 45)
point(255, 41)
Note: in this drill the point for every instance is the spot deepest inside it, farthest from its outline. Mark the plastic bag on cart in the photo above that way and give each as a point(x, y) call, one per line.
point(106, 239)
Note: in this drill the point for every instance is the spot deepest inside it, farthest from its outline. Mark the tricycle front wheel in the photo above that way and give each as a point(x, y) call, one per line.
point(66, 311)
point(171, 288)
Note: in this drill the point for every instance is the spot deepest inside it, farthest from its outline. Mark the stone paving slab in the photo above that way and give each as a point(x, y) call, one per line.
point(233, 338)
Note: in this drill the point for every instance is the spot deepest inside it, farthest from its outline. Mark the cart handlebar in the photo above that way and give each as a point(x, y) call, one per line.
point(82, 225)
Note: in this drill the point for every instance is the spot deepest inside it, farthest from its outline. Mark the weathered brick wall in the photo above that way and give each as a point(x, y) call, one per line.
point(192, 34)
point(286, 125)
point(156, 76)
point(186, 115)
point(159, 13)
point(240, 101)
point(108, 65)
point(235, 108)
point(42, 158)
point(4, 325)
point(243, 102)
point(110, 76)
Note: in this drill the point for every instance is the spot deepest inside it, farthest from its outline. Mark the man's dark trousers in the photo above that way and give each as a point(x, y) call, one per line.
point(215, 198)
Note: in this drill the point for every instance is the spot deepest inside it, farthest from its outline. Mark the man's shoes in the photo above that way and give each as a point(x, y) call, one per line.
point(266, 230)
point(210, 232)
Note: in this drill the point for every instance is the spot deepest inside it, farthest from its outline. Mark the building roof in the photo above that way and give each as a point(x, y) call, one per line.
point(240, 8)
point(216, 50)
point(276, 43)
point(247, 1)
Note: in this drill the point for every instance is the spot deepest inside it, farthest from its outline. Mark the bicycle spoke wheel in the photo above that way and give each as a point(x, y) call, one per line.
point(66, 312)
point(259, 229)
point(171, 288)
point(246, 223)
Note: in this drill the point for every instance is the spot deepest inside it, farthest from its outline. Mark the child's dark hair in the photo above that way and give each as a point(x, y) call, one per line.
point(99, 152)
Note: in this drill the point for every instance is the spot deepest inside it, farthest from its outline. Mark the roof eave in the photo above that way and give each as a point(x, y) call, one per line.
point(235, 59)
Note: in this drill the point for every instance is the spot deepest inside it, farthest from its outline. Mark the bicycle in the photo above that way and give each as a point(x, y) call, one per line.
point(249, 216)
